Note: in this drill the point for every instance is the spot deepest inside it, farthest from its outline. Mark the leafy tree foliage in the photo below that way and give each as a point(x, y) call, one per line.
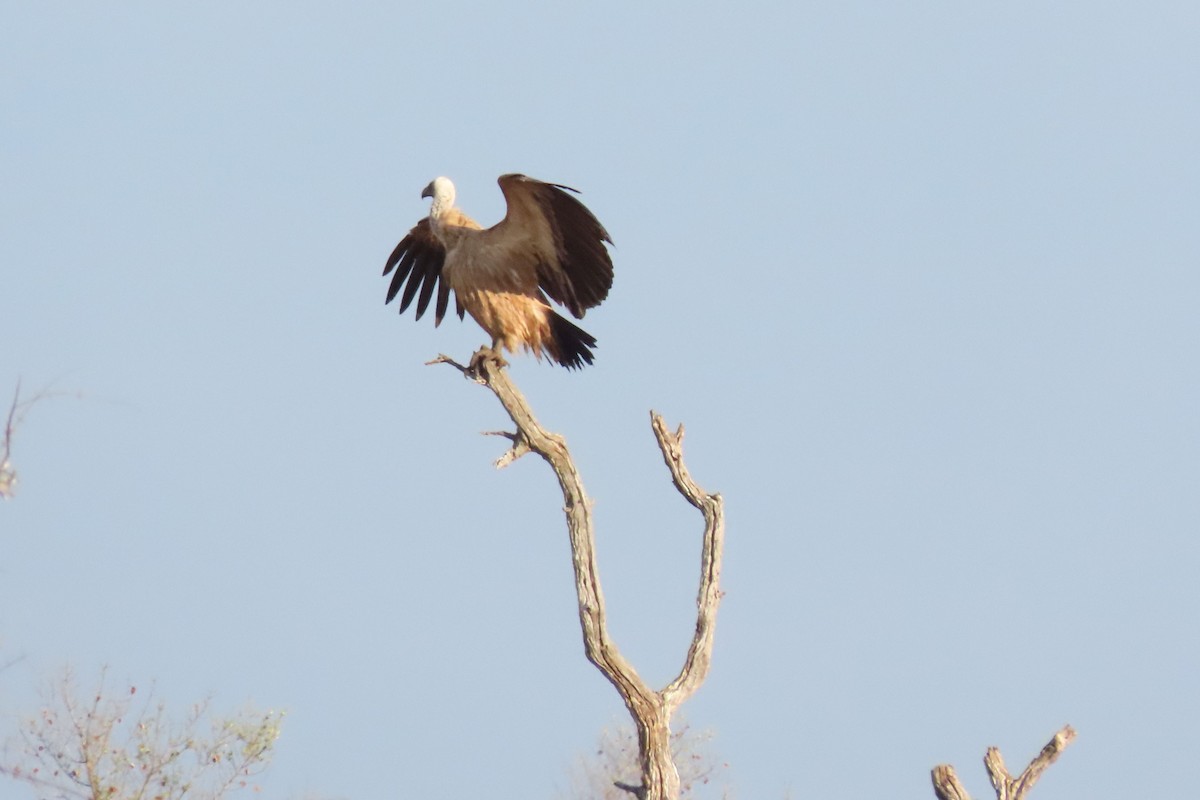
point(113, 745)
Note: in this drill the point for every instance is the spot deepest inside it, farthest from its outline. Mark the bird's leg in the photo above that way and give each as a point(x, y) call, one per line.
point(492, 354)
point(497, 353)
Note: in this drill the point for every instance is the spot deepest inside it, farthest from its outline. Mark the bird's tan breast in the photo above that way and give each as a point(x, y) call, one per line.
point(496, 280)
point(516, 321)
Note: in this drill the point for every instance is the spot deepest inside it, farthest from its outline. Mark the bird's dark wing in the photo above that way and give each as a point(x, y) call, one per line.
point(565, 239)
point(419, 258)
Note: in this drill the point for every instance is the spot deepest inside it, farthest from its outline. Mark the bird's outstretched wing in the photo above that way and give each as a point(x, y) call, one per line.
point(563, 239)
point(419, 258)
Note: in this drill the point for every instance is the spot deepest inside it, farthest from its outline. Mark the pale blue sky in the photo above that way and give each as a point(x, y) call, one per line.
point(920, 279)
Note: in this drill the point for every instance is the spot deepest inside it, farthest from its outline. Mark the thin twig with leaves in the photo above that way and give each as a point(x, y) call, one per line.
point(106, 746)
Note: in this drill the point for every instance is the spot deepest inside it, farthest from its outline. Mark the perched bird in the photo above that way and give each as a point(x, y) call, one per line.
point(547, 247)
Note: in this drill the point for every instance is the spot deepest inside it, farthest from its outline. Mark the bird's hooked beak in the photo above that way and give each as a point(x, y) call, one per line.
point(427, 191)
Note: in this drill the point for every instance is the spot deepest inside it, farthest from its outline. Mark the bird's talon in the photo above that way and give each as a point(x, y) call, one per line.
point(485, 354)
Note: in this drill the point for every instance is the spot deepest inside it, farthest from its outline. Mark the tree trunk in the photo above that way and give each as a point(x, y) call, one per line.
point(659, 775)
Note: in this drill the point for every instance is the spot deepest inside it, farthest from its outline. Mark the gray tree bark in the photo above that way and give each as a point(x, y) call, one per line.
point(651, 710)
point(947, 786)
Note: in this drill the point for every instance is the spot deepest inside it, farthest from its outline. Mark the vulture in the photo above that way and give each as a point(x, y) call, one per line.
point(547, 247)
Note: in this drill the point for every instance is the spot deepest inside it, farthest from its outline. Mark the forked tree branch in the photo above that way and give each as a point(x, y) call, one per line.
point(947, 786)
point(650, 709)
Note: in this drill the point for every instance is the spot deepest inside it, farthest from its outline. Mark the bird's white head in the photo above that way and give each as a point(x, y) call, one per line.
point(442, 192)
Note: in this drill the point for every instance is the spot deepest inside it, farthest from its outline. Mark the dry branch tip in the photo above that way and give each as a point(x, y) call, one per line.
point(519, 448)
point(947, 786)
point(470, 371)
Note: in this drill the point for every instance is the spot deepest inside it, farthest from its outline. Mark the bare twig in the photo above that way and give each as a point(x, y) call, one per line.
point(8, 475)
point(651, 710)
point(16, 415)
point(947, 786)
point(519, 448)
point(467, 371)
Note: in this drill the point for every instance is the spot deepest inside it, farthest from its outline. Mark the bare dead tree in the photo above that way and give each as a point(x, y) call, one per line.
point(651, 709)
point(947, 786)
point(8, 475)
point(16, 415)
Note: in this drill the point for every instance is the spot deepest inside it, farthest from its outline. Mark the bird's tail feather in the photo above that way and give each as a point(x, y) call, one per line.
point(571, 344)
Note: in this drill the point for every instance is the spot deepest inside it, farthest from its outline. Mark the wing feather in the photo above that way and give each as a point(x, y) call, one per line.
point(567, 241)
point(418, 259)
point(547, 237)
point(401, 261)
